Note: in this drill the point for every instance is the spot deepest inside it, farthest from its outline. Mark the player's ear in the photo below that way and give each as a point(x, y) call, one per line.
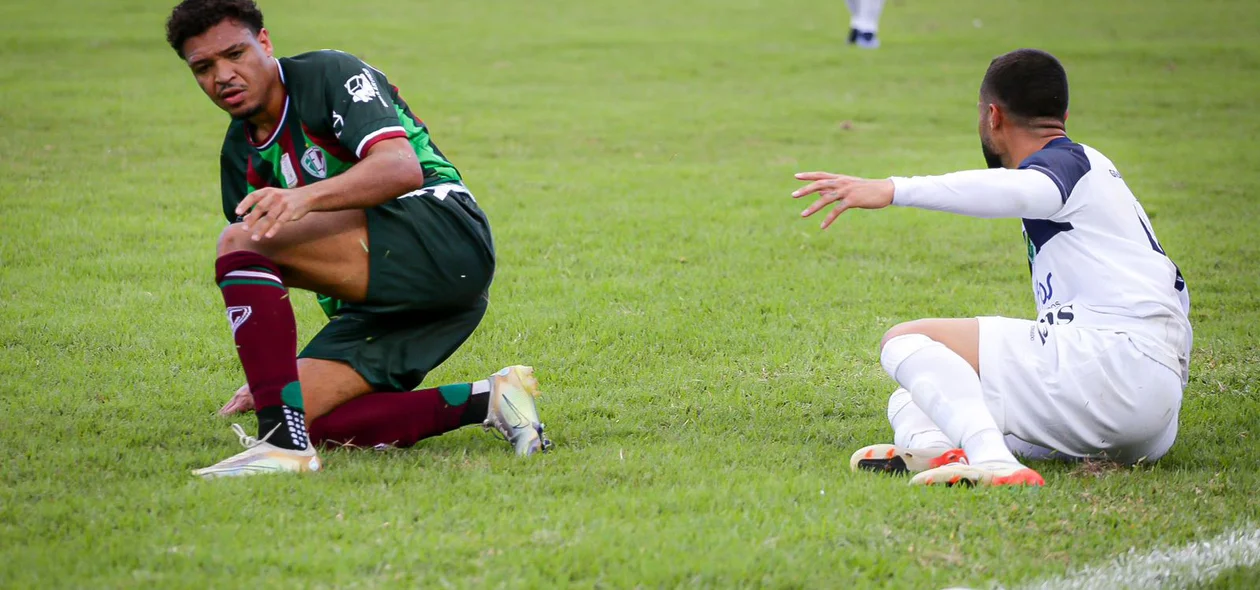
point(996, 117)
point(264, 39)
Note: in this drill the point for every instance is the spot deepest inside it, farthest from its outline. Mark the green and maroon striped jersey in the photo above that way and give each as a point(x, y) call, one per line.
point(336, 107)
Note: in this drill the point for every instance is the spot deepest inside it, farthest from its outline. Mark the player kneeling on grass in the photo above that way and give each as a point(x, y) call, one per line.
point(1100, 372)
point(331, 184)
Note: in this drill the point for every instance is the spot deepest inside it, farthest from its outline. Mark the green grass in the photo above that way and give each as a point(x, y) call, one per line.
point(709, 359)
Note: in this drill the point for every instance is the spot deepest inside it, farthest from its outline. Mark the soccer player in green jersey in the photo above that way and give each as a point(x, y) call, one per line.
point(331, 184)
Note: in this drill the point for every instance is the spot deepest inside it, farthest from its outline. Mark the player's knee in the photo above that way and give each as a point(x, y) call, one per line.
point(900, 330)
point(898, 344)
point(235, 239)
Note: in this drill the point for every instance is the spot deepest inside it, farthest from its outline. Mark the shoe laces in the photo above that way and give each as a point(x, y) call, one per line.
point(956, 457)
point(248, 441)
point(490, 425)
point(520, 421)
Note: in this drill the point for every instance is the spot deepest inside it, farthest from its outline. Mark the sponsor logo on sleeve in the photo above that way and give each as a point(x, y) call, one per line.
point(376, 90)
point(361, 88)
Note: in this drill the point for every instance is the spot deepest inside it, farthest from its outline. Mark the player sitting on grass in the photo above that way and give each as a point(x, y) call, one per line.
point(331, 184)
point(1100, 372)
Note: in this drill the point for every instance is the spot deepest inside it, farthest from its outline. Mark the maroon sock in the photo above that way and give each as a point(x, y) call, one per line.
point(400, 419)
point(262, 321)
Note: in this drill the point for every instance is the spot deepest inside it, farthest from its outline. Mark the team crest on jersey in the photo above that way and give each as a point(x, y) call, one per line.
point(287, 171)
point(360, 88)
point(237, 316)
point(314, 163)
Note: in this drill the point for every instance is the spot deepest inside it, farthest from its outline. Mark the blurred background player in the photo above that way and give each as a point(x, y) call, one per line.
point(1100, 372)
point(864, 22)
point(332, 185)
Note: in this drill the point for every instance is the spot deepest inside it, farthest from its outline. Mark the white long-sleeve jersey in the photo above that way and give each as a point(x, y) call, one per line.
point(1094, 257)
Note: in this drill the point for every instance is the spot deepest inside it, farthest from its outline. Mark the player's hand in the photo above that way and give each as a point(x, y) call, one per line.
point(241, 402)
point(270, 208)
point(848, 192)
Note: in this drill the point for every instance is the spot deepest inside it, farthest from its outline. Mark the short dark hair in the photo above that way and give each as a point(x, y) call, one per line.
point(194, 17)
point(1030, 83)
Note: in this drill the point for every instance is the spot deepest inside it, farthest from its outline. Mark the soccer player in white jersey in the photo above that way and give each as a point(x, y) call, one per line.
point(1100, 372)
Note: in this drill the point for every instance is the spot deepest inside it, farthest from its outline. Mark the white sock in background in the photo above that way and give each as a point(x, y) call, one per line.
point(927, 368)
point(912, 429)
point(864, 14)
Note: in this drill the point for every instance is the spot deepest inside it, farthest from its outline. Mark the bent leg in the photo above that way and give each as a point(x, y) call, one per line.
point(327, 385)
point(342, 409)
point(1078, 391)
point(912, 429)
point(394, 351)
point(325, 252)
point(402, 419)
point(960, 335)
point(945, 385)
point(416, 317)
point(363, 365)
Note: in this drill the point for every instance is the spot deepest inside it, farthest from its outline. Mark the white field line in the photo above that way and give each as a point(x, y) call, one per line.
point(1175, 567)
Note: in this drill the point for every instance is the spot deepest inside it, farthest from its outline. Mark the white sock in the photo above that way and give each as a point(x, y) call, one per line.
point(927, 368)
point(865, 14)
point(912, 429)
point(482, 386)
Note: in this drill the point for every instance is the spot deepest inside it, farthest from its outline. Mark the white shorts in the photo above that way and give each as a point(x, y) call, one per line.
point(1077, 391)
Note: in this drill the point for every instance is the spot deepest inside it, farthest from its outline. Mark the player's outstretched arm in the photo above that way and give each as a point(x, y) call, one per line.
point(992, 193)
point(847, 192)
point(388, 170)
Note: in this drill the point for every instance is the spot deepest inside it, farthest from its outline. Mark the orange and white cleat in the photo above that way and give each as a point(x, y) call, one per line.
point(895, 459)
point(992, 474)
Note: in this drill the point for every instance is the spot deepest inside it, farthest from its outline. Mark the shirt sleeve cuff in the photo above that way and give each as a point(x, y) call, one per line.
point(904, 190)
point(377, 136)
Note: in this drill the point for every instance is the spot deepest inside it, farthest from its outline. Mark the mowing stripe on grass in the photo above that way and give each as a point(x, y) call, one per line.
point(1175, 567)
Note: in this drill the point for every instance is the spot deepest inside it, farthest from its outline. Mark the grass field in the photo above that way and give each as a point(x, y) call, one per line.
point(709, 360)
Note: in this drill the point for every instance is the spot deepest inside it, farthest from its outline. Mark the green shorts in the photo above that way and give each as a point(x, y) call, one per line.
point(431, 261)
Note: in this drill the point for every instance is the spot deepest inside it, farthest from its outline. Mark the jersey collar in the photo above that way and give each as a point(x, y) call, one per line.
point(283, 116)
point(1058, 141)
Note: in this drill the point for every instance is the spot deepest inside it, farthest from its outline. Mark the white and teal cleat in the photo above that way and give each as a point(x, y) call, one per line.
point(260, 457)
point(512, 412)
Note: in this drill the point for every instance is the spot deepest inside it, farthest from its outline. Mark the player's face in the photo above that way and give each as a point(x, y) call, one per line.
point(233, 67)
point(992, 153)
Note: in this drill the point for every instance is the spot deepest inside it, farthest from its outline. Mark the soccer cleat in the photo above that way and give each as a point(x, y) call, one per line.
point(867, 40)
point(853, 36)
point(895, 459)
point(260, 457)
point(512, 411)
point(993, 474)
